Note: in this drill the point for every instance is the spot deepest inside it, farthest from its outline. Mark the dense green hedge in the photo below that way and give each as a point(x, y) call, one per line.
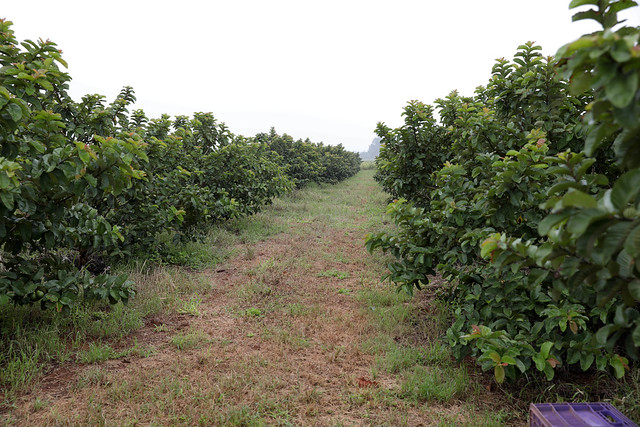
point(307, 162)
point(84, 184)
point(540, 240)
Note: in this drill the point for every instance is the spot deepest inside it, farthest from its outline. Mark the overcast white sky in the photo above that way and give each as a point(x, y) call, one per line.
point(328, 70)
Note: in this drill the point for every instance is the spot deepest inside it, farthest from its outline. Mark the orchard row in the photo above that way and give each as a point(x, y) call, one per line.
point(86, 184)
point(526, 197)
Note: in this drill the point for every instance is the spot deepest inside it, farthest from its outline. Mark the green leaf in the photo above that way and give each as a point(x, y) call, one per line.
point(597, 136)
point(634, 289)
point(549, 372)
point(582, 219)
point(551, 220)
point(84, 156)
point(587, 14)
point(508, 359)
point(632, 243)
point(495, 357)
point(576, 3)
point(617, 364)
point(7, 200)
point(613, 240)
point(577, 198)
point(45, 84)
point(636, 336)
point(14, 111)
point(626, 189)
point(536, 276)
point(499, 373)
point(586, 360)
point(626, 263)
point(622, 5)
point(603, 334)
point(91, 180)
point(621, 51)
point(488, 246)
point(5, 181)
point(622, 89)
point(545, 349)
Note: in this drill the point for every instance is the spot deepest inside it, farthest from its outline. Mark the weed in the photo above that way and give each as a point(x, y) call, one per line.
point(140, 350)
point(39, 404)
point(253, 312)
point(160, 328)
point(249, 253)
point(191, 307)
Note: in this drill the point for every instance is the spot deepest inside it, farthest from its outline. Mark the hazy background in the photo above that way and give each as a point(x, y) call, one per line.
point(328, 70)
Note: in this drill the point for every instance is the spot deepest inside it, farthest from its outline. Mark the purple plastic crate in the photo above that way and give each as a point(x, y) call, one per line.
point(577, 414)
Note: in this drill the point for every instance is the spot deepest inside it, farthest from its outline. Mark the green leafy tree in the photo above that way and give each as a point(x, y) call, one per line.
point(49, 167)
point(536, 237)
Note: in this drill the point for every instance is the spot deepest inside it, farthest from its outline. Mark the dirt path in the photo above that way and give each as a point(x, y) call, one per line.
point(283, 336)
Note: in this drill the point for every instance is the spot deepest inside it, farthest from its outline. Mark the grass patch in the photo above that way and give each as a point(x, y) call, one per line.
point(39, 404)
point(91, 376)
point(97, 352)
point(253, 292)
point(287, 336)
point(334, 273)
point(398, 358)
point(432, 383)
point(189, 340)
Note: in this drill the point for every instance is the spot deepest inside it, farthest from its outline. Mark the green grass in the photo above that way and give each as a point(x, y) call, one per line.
point(97, 352)
point(433, 383)
point(253, 312)
point(334, 273)
point(189, 340)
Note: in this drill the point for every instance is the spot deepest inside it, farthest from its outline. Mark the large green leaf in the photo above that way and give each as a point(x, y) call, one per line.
point(614, 240)
point(626, 188)
point(582, 219)
point(14, 111)
point(577, 198)
point(7, 199)
point(622, 89)
point(635, 335)
point(632, 243)
point(634, 289)
point(499, 373)
point(622, 5)
point(587, 14)
point(551, 220)
point(618, 364)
